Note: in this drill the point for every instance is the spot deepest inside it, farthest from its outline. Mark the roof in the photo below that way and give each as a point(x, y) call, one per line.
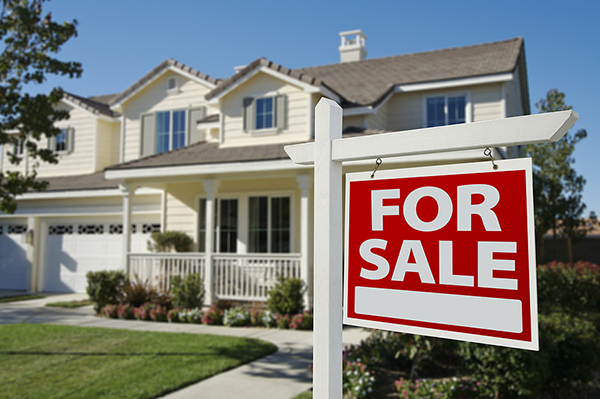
point(94, 181)
point(96, 104)
point(369, 81)
point(207, 153)
point(166, 64)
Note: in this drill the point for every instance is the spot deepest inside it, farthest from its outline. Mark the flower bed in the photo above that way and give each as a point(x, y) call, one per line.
point(233, 317)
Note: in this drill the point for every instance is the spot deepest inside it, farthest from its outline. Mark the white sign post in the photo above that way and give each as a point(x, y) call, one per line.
point(327, 154)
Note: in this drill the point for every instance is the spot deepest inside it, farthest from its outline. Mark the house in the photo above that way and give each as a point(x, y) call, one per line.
point(180, 150)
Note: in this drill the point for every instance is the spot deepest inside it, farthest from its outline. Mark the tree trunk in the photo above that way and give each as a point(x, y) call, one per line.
point(570, 249)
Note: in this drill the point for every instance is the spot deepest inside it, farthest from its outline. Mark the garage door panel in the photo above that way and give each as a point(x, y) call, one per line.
point(13, 261)
point(88, 247)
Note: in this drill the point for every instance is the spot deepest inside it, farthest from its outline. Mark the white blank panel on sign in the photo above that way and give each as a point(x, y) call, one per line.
point(465, 311)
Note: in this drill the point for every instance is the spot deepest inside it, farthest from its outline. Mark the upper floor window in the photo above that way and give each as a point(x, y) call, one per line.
point(170, 130)
point(446, 110)
point(264, 113)
point(62, 142)
point(19, 148)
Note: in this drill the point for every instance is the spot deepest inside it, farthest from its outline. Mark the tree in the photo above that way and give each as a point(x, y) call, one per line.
point(557, 186)
point(30, 40)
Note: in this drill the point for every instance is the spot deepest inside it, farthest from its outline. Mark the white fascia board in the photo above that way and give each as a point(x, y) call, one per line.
point(192, 77)
point(88, 112)
point(61, 214)
point(102, 193)
point(207, 169)
point(208, 125)
point(446, 84)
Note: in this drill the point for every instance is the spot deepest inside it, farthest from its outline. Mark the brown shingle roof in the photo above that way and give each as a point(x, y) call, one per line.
point(369, 81)
point(96, 105)
point(207, 153)
point(366, 82)
point(94, 181)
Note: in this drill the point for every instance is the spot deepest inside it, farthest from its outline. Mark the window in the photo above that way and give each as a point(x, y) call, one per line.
point(446, 110)
point(269, 224)
point(226, 225)
point(62, 142)
point(18, 148)
point(170, 130)
point(264, 113)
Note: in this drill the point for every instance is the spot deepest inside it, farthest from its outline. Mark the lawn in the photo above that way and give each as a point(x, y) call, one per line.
point(17, 298)
point(46, 361)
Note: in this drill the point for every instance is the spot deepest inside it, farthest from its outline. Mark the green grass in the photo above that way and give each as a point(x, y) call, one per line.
point(70, 304)
point(46, 361)
point(304, 395)
point(21, 298)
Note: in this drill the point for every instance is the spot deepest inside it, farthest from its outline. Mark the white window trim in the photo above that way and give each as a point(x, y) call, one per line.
point(69, 147)
point(468, 105)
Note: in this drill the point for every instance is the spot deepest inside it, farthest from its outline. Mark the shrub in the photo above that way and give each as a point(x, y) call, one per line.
point(158, 313)
point(143, 312)
point(287, 296)
point(442, 389)
point(268, 319)
point(213, 316)
point(125, 311)
point(282, 321)
point(138, 292)
point(167, 241)
point(188, 292)
point(357, 379)
point(110, 311)
point(173, 315)
point(302, 321)
point(256, 317)
point(103, 287)
point(572, 289)
point(236, 317)
point(191, 315)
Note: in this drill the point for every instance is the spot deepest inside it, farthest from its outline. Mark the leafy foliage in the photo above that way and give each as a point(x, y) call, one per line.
point(103, 287)
point(287, 297)
point(557, 187)
point(138, 292)
point(188, 292)
point(30, 39)
point(166, 241)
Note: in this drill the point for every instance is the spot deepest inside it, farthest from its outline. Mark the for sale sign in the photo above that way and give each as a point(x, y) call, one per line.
point(445, 251)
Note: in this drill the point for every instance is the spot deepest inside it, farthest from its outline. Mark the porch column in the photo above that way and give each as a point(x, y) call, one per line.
point(210, 187)
point(304, 184)
point(127, 193)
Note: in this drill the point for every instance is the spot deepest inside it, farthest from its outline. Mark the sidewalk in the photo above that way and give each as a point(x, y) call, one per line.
point(282, 375)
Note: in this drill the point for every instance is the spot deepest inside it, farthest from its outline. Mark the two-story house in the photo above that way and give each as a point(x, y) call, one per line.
point(179, 150)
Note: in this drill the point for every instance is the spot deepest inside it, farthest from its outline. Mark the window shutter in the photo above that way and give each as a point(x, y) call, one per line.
point(70, 139)
point(148, 133)
point(195, 114)
point(52, 144)
point(248, 104)
point(280, 105)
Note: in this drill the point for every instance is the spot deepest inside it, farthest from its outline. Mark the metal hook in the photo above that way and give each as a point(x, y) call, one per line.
point(378, 162)
point(488, 153)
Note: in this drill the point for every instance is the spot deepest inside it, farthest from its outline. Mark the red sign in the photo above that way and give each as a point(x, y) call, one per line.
point(445, 251)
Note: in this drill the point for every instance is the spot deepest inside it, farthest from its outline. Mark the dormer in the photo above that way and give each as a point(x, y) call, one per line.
point(353, 47)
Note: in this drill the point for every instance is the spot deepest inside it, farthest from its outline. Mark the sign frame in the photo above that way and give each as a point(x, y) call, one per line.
point(469, 301)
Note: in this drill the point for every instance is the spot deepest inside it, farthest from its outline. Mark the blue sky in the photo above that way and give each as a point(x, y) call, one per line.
point(120, 40)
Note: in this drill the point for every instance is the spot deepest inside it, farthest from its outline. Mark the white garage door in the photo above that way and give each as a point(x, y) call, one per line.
point(71, 250)
point(13, 257)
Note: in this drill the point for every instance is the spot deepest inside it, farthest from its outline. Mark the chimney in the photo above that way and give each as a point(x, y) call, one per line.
point(353, 46)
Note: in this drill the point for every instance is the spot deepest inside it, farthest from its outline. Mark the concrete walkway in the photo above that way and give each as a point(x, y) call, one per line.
point(282, 375)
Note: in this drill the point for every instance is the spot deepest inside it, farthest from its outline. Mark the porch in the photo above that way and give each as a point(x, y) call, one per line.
point(237, 277)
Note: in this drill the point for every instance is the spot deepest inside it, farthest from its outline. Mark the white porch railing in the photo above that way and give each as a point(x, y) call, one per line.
point(160, 268)
point(244, 277)
point(250, 277)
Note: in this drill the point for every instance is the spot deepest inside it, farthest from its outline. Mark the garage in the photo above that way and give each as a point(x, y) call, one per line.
point(71, 249)
point(14, 265)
